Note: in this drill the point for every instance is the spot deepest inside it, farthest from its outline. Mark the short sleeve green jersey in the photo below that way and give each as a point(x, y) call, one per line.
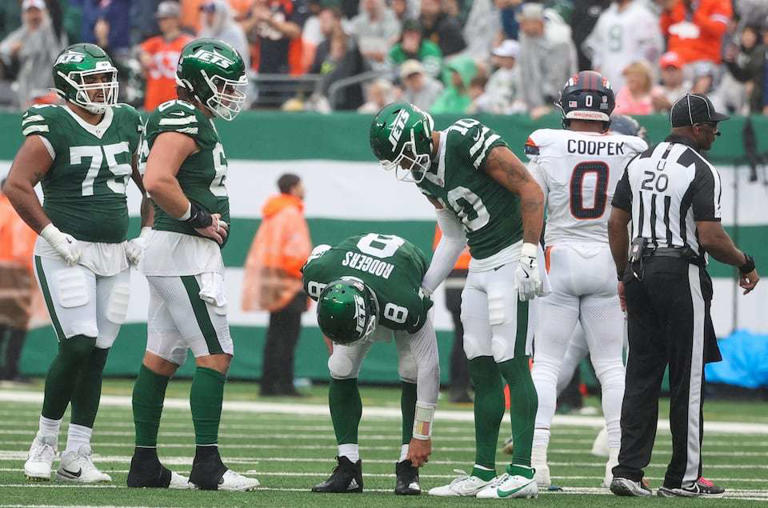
point(84, 189)
point(202, 175)
point(392, 267)
point(489, 212)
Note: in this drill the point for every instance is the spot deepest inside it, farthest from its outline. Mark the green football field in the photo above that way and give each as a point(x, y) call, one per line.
point(288, 445)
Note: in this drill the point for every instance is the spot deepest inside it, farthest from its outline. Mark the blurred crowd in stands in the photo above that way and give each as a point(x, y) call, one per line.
point(457, 56)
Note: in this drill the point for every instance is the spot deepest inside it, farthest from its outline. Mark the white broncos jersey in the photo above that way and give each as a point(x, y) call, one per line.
point(578, 173)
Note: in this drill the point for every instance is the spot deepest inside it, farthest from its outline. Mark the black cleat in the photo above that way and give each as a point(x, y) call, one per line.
point(147, 472)
point(346, 477)
point(207, 468)
point(700, 488)
point(407, 479)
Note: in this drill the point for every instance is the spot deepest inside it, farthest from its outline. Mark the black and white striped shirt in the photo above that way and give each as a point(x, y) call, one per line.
point(667, 189)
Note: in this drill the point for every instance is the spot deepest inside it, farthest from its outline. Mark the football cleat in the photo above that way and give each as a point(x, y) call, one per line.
point(463, 486)
point(613, 461)
point(40, 458)
point(347, 476)
point(512, 485)
point(77, 467)
point(700, 488)
point(407, 479)
point(627, 487)
point(237, 482)
point(152, 474)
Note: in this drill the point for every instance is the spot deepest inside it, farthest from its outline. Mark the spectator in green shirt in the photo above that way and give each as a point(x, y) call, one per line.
point(456, 98)
point(412, 46)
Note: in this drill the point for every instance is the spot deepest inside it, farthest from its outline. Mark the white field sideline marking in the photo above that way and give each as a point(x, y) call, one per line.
point(187, 461)
point(373, 412)
point(742, 495)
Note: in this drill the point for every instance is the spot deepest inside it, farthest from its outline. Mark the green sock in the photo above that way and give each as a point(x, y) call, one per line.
point(148, 397)
point(205, 398)
point(522, 393)
point(87, 393)
point(524, 471)
point(408, 409)
point(64, 373)
point(346, 409)
point(484, 474)
point(489, 409)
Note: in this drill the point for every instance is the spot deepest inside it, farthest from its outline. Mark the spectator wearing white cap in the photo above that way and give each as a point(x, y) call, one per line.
point(502, 90)
point(218, 22)
point(33, 47)
point(546, 60)
point(419, 88)
point(378, 95)
point(673, 84)
point(626, 32)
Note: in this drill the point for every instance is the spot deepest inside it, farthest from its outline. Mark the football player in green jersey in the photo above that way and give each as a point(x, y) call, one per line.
point(368, 288)
point(83, 153)
point(185, 175)
point(485, 198)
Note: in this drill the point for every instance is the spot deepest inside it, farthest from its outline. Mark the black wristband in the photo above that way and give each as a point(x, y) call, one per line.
point(199, 217)
point(749, 265)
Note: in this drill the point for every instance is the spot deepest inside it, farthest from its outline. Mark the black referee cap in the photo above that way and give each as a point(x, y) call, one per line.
point(691, 109)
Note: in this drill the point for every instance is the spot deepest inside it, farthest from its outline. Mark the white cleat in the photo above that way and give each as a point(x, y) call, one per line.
point(510, 486)
point(179, 482)
point(40, 458)
point(600, 446)
point(463, 486)
point(238, 482)
point(613, 461)
point(78, 467)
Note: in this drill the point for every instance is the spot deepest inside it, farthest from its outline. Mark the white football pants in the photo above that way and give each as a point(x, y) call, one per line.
point(583, 292)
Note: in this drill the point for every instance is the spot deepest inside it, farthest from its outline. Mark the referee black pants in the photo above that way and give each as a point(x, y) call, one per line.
point(669, 323)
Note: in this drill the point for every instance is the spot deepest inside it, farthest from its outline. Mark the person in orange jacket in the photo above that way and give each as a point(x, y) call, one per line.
point(454, 284)
point(694, 29)
point(273, 281)
point(17, 241)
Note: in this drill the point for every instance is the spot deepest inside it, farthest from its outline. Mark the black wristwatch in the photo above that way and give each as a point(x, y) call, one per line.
point(748, 266)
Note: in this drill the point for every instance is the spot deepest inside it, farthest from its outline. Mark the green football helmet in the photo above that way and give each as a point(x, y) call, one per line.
point(401, 139)
point(214, 72)
point(347, 310)
point(73, 75)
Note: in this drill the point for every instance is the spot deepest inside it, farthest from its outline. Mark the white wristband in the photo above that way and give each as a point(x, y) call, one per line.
point(422, 421)
point(529, 249)
point(50, 233)
point(187, 214)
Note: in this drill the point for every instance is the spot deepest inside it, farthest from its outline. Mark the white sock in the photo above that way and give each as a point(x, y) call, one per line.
point(350, 451)
point(483, 468)
point(541, 437)
point(49, 427)
point(403, 453)
point(539, 454)
point(77, 436)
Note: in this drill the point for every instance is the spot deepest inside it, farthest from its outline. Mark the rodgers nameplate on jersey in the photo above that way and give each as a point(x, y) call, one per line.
point(489, 212)
point(391, 266)
point(91, 168)
point(202, 175)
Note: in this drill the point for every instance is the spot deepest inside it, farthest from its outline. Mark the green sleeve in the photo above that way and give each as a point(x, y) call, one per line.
point(41, 121)
point(184, 118)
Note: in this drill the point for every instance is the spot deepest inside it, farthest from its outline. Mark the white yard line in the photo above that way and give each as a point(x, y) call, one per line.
point(371, 412)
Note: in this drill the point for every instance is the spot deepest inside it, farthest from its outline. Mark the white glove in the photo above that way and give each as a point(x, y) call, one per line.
point(527, 274)
point(134, 248)
point(65, 245)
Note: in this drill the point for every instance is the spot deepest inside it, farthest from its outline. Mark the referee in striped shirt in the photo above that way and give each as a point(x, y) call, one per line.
point(671, 194)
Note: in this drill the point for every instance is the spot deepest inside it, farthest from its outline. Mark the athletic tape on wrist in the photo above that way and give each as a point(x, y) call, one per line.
point(422, 421)
point(187, 214)
point(529, 249)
